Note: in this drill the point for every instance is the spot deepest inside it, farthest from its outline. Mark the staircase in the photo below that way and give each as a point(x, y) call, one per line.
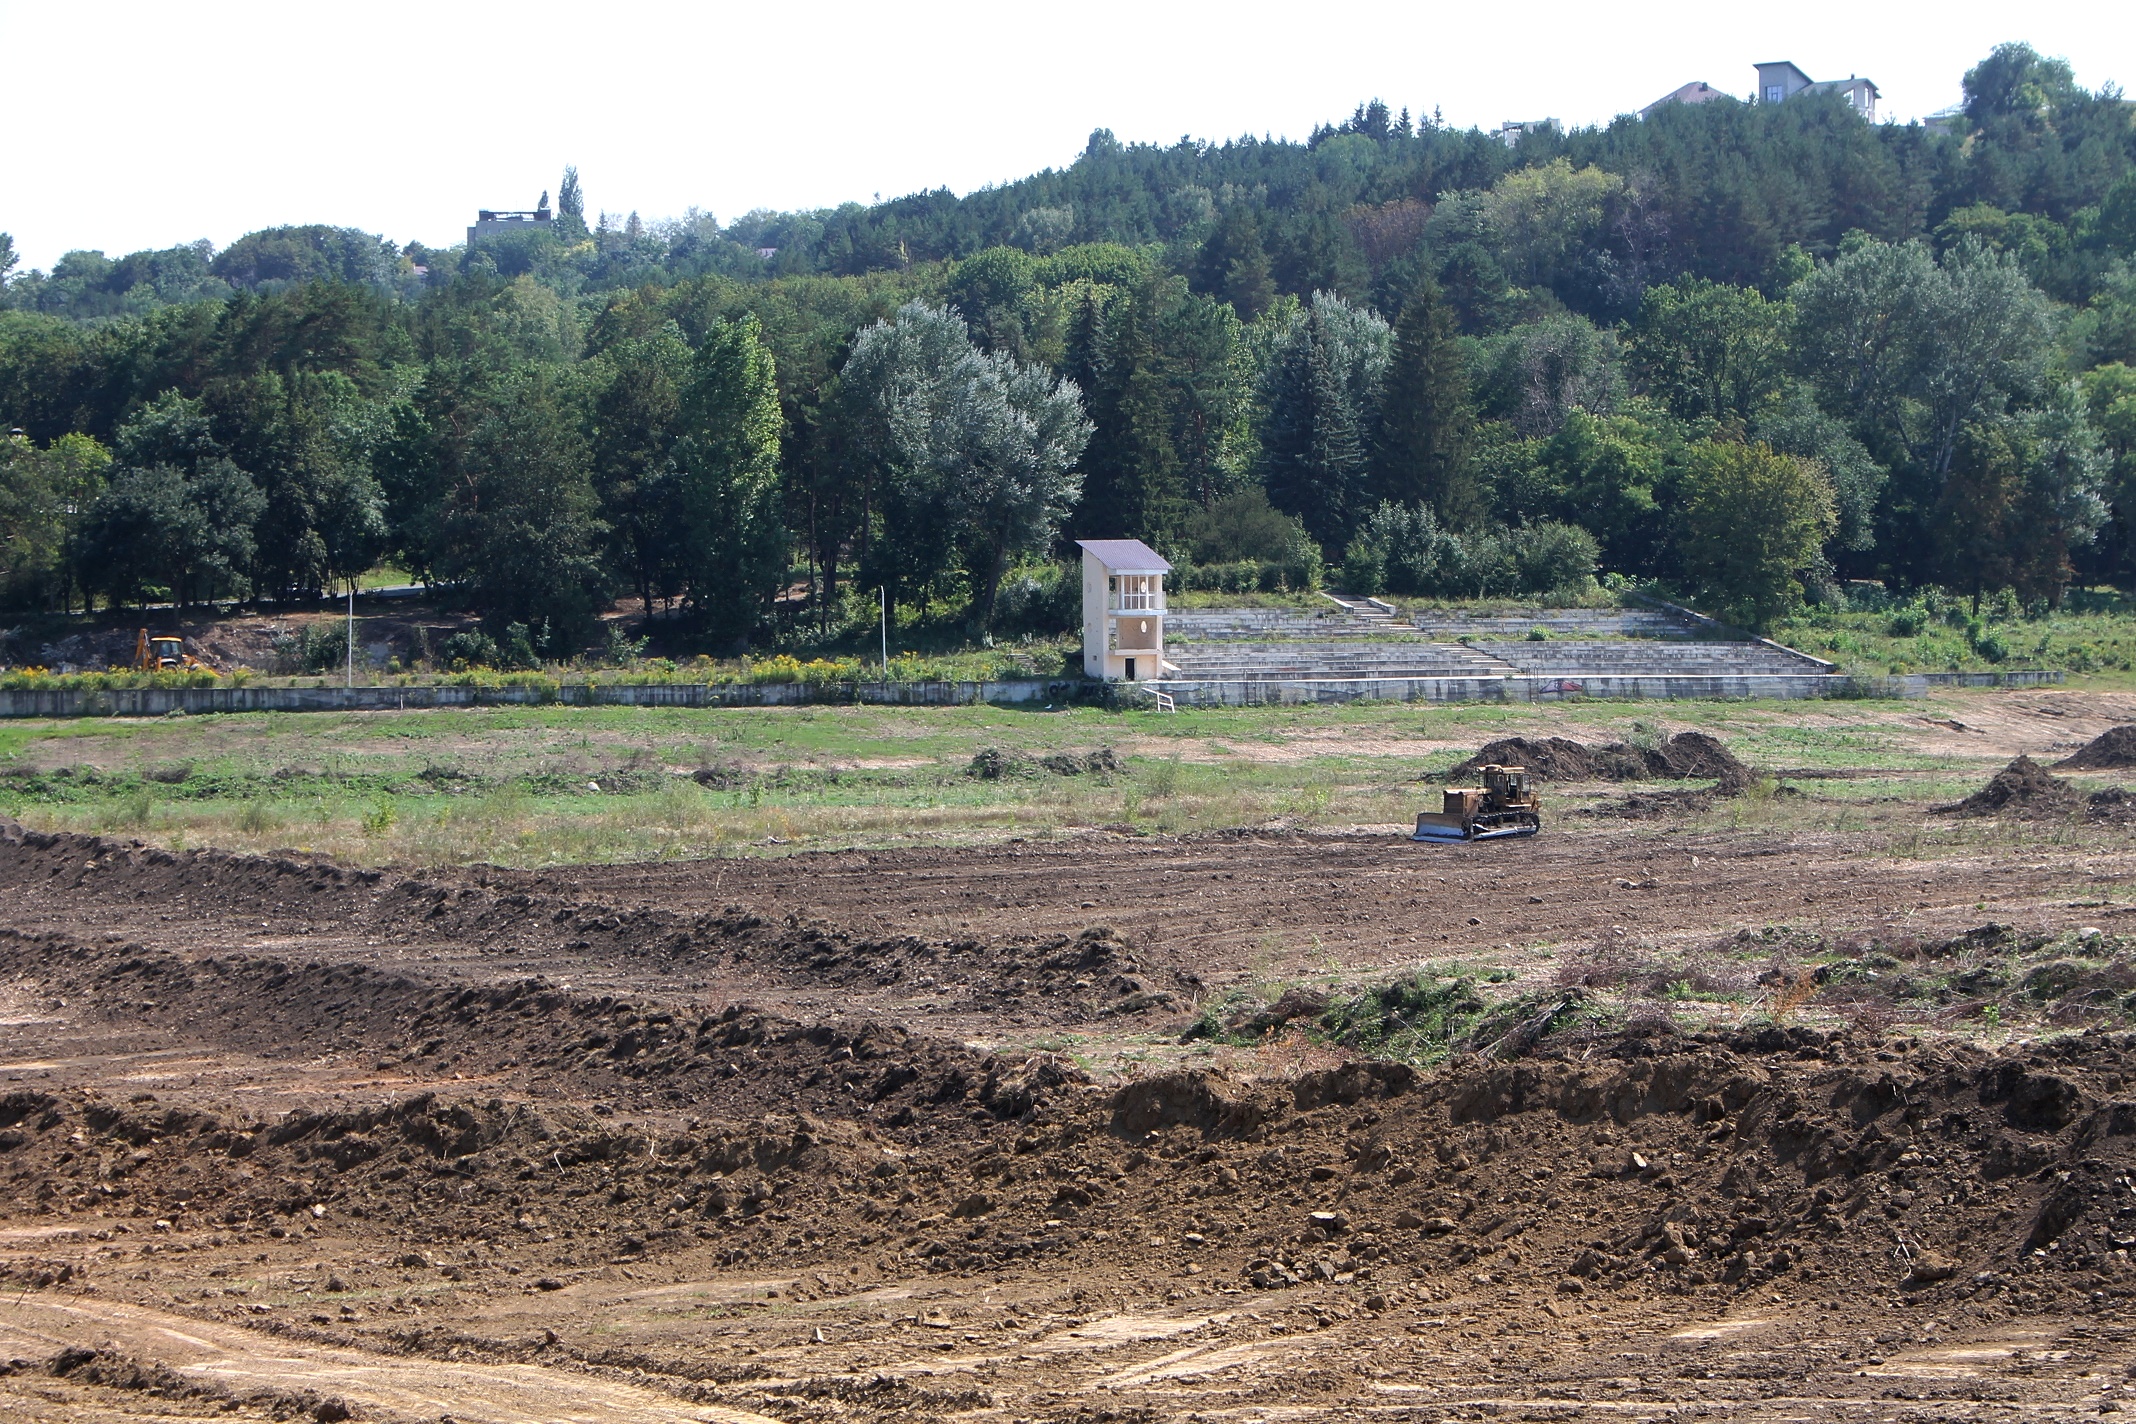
point(1369, 609)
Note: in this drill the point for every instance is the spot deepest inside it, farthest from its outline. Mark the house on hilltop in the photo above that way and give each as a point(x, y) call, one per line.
point(491, 222)
point(1512, 131)
point(1697, 91)
point(1780, 80)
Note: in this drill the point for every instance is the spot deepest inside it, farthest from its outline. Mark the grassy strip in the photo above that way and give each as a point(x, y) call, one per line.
point(534, 785)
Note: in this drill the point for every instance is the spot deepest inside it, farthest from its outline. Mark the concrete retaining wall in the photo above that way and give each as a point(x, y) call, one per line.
point(163, 701)
point(1734, 687)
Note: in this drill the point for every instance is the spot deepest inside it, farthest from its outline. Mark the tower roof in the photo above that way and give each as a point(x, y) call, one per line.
point(1130, 554)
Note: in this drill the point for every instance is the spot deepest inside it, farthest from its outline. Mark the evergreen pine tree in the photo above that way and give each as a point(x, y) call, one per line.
point(570, 207)
point(1233, 264)
point(1427, 420)
point(1131, 481)
point(1311, 448)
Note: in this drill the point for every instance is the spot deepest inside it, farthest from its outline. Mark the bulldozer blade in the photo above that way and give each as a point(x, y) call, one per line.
point(1499, 833)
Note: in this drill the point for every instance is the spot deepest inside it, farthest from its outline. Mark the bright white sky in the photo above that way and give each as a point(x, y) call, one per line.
point(126, 125)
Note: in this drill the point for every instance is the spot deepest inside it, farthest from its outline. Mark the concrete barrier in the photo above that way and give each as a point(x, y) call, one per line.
point(1608, 687)
point(165, 701)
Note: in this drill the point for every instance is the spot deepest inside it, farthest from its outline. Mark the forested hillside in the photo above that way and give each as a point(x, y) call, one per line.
point(1748, 352)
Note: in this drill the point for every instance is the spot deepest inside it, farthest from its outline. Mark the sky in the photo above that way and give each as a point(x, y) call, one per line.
point(129, 125)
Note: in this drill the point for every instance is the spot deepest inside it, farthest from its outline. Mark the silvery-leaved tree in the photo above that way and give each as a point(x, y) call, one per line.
point(970, 456)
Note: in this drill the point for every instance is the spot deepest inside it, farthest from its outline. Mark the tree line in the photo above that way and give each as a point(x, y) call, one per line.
point(1747, 350)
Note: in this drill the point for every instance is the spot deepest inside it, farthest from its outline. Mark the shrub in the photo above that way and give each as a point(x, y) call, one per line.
point(315, 648)
point(1300, 575)
point(1364, 567)
point(1040, 599)
point(468, 648)
point(517, 651)
point(1244, 528)
point(1552, 557)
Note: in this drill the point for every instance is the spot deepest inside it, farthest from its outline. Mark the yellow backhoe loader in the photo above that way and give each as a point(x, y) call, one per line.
point(163, 653)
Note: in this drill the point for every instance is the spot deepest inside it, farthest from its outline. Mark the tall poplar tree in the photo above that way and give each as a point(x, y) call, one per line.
point(725, 497)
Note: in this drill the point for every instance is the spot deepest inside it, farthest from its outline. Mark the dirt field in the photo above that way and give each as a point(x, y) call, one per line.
point(1780, 1117)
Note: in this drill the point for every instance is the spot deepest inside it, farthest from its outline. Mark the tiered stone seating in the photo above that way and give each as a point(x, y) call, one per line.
point(1562, 623)
point(1261, 624)
point(1225, 661)
point(1647, 657)
point(1280, 645)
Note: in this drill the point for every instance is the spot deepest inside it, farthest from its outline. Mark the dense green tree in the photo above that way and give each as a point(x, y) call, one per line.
point(1754, 525)
point(2022, 493)
point(1243, 526)
point(1427, 423)
point(730, 542)
point(1536, 375)
point(1233, 264)
point(1793, 425)
point(1614, 476)
point(1132, 484)
point(635, 417)
point(1708, 351)
point(280, 256)
point(2036, 141)
point(1912, 352)
point(1160, 371)
point(518, 526)
point(570, 207)
point(1321, 397)
point(973, 455)
point(43, 493)
point(180, 534)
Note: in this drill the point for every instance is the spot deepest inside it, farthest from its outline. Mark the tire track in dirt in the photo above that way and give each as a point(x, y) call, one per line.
point(241, 1364)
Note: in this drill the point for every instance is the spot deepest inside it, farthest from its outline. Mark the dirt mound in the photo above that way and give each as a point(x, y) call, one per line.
point(2110, 750)
point(994, 764)
point(1056, 977)
point(1687, 756)
point(2023, 789)
point(1662, 1161)
point(1694, 756)
point(734, 1061)
point(1550, 759)
point(2113, 803)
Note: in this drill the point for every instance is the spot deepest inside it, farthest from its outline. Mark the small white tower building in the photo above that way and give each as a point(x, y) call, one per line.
point(1123, 610)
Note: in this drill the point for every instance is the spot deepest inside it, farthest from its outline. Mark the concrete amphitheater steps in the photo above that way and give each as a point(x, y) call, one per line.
point(1273, 661)
point(1648, 658)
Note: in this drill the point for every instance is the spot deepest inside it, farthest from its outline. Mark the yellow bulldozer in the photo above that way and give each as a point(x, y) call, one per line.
point(1505, 805)
point(163, 653)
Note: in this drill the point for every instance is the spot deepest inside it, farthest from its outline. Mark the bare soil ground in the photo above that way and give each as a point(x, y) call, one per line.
point(912, 1135)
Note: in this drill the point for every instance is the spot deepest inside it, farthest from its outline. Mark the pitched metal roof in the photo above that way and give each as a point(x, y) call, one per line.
point(1698, 91)
point(1129, 554)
